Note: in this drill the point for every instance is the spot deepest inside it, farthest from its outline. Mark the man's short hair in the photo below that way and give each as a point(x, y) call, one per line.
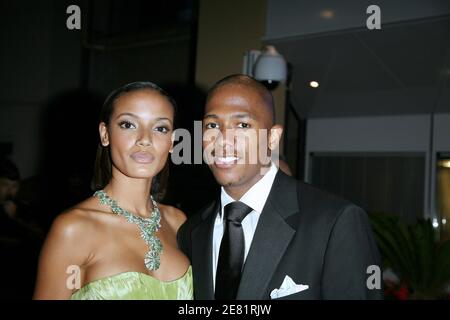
point(249, 82)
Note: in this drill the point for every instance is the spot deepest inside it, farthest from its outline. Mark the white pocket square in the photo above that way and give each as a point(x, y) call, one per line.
point(288, 287)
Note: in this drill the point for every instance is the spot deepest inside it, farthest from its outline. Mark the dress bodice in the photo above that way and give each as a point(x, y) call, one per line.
point(132, 285)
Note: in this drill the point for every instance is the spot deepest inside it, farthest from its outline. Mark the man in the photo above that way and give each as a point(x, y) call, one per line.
point(15, 215)
point(268, 235)
point(19, 237)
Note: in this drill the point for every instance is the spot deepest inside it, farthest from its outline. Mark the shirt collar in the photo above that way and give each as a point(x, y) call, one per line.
point(256, 196)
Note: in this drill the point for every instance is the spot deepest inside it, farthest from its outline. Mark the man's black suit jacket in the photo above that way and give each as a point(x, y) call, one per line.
point(313, 237)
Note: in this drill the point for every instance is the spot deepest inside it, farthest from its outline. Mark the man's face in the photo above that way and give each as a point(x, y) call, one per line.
point(236, 135)
point(8, 189)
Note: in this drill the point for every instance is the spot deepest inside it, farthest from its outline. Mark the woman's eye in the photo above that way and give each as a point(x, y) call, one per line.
point(127, 125)
point(211, 125)
point(162, 129)
point(244, 125)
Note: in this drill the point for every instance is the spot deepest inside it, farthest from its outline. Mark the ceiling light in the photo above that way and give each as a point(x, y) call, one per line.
point(444, 163)
point(314, 84)
point(327, 14)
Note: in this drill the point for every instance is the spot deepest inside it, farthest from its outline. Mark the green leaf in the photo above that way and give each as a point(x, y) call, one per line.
point(413, 254)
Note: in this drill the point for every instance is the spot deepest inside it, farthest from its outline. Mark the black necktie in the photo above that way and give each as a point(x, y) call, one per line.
point(232, 250)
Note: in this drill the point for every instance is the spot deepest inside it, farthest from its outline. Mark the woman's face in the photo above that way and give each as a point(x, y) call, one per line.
point(139, 133)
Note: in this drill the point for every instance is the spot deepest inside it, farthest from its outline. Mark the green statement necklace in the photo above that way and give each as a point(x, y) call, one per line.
point(148, 227)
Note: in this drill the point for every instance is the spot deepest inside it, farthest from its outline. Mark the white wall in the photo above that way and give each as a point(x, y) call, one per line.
point(359, 134)
point(442, 132)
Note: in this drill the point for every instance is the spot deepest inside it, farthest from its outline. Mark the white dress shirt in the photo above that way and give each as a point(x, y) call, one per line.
point(255, 198)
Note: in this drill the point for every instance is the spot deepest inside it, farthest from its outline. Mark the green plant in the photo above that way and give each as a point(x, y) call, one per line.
point(414, 254)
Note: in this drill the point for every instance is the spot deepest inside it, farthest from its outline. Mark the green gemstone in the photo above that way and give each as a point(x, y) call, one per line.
point(147, 226)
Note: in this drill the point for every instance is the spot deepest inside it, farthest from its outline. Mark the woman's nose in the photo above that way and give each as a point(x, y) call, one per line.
point(144, 139)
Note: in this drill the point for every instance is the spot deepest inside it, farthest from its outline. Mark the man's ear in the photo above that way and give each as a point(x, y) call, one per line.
point(275, 136)
point(104, 136)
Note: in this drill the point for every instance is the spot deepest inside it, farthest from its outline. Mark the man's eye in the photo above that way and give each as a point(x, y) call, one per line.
point(244, 125)
point(162, 129)
point(211, 125)
point(127, 125)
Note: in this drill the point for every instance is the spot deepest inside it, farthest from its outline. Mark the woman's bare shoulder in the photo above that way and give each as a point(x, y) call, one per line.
point(73, 240)
point(78, 222)
point(174, 216)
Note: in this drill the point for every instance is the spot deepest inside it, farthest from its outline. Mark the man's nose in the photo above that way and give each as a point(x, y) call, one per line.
point(225, 142)
point(226, 137)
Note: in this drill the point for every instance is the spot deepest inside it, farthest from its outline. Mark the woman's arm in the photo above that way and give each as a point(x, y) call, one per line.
point(63, 254)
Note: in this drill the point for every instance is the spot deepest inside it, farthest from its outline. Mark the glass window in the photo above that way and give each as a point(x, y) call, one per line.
point(443, 193)
point(379, 183)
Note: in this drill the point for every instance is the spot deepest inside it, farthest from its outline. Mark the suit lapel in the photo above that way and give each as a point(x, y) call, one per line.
point(202, 238)
point(272, 237)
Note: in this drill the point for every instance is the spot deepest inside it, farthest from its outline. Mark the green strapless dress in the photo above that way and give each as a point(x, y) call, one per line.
point(137, 286)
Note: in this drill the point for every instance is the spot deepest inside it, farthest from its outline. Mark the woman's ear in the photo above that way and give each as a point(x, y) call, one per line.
point(275, 136)
point(104, 136)
point(172, 140)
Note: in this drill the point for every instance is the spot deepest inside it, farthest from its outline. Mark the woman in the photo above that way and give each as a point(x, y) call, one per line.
point(121, 243)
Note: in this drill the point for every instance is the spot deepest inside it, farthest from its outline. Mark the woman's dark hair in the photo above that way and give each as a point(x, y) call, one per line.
point(103, 163)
